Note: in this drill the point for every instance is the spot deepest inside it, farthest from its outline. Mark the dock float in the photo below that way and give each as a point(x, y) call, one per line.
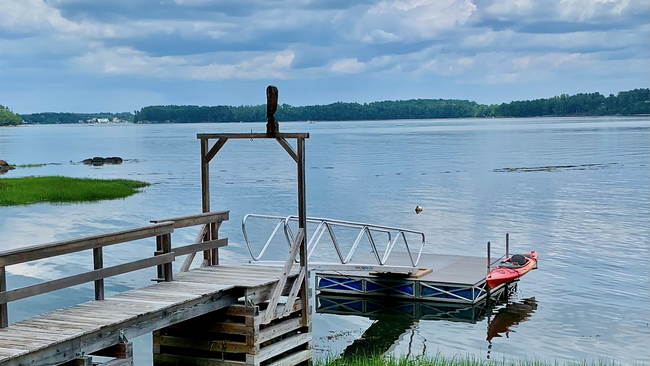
point(453, 279)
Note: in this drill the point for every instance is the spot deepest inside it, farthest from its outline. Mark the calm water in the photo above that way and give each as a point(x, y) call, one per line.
point(590, 224)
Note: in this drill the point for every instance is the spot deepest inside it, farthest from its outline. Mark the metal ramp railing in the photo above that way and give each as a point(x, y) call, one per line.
point(323, 225)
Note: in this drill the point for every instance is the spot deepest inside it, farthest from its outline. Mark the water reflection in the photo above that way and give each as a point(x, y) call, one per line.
point(509, 316)
point(395, 320)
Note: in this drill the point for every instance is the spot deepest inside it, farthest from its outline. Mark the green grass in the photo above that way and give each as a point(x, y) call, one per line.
point(56, 189)
point(439, 360)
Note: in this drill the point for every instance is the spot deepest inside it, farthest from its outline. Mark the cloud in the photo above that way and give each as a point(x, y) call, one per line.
point(348, 66)
point(129, 61)
point(317, 41)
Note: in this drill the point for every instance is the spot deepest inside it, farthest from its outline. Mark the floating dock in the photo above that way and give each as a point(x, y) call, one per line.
point(453, 279)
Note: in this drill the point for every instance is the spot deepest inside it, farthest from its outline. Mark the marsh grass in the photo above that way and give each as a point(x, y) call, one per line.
point(439, 360)
point(57, 189)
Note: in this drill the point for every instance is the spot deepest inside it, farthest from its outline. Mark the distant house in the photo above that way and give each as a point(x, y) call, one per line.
point(102, 120)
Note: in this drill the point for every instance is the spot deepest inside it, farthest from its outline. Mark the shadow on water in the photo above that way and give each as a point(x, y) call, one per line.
point(396, 319)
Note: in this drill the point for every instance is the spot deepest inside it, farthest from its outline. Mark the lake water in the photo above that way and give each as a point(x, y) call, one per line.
point(589, 223)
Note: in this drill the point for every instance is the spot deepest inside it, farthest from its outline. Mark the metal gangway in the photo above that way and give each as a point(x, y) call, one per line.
point(394, 237)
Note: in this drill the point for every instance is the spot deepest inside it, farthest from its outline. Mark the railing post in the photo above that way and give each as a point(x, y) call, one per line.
point(214, 235)
point(4, 318)
point(507, 245)
point(160, 273)
point(98, 263)
point(167, 248)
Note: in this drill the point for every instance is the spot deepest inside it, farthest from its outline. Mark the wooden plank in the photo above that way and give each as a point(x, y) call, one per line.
point(214, 235)
point(215, 148)
point(81, 361)
point(204, 345)
point(200, 237)
point(297, 284)
point(293, 359)
point(288, 148)
point(277, 330)
point(198, 219)
point(285, 272)
point(243, 310)
point(118, 362)
point(283, 346)
point(176, 360)
point(206, 245)
point(278, 311)
point(62, 283)
point(290, 135)
point(35, 252)
point(120, 350)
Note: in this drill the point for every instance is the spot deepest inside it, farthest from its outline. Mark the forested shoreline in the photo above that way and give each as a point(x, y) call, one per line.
point(633, 102)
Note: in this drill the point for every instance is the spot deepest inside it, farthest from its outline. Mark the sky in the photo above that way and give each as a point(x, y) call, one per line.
point(122, 55)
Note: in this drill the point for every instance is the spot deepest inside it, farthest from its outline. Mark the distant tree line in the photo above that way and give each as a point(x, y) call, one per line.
point(631, 102)
point(593, 104)
point(56, 118)
point(9, 118)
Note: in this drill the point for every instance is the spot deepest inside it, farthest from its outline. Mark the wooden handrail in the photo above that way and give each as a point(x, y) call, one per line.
point(43, 251)
point(163, 256)
point(198, 219)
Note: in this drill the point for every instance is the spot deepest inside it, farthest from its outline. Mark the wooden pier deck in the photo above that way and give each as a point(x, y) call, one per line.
point(103, 327)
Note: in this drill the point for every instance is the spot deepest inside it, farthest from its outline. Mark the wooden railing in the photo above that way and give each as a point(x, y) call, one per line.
point(163, 256)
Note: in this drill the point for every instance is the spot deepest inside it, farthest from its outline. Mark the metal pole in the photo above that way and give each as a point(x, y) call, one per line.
point(507, 245)
point(488, 257)
point(302, 224)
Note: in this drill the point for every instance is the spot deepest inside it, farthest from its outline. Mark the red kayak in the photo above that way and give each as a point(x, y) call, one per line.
point(512, 268)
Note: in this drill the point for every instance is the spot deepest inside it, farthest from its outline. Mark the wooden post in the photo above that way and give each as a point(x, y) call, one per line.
point(214, 235)
point(160, 272)
point(98, 262)
point(167, 248)
point(4, 318)
point(205, 190)
point(302, 224)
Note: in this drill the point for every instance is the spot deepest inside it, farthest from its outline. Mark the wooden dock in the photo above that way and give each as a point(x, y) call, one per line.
point(236, 316)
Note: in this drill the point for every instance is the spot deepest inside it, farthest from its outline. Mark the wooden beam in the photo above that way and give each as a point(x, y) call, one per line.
point(206, 245)
point(70, 281)
point(302, 225)
point(288, 148)
point(205, 189)
point(294, 291)
point(32, 253)
point(215, 148)
point(190, 258)
point(198, 219)
point(120, 350)
point(81, 361)
point(291, 135)
point(277, 291)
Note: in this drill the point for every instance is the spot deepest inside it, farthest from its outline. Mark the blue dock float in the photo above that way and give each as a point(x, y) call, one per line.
point(454, 279)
